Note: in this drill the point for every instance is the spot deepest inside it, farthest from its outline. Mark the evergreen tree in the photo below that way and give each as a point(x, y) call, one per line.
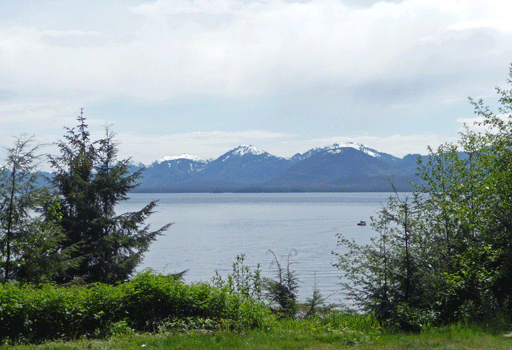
point(91, 181)
point(18, 197)
point(394, 276)
point(282, 291)
point(30, 245)
point(448, 256)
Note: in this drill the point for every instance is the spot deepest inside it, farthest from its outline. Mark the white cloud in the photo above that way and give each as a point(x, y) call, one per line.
point(210, 145)
point(397, 145)
point(69, 33)
point(230, 48)
point(147, 148)
point(30, 114)
point(160, 7)
point(318, 64)
point(207, 145)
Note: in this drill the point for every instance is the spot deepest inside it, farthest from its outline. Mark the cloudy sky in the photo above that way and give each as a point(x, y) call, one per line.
point(204, 76)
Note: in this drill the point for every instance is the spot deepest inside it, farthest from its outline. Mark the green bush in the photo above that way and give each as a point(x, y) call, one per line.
point(47, 312)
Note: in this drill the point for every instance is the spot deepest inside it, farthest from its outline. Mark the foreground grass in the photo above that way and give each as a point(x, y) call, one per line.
point(199, 316)
point(443, 341)
point(447, 338)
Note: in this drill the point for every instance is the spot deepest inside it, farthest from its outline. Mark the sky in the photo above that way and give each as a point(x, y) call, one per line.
point(204, 76)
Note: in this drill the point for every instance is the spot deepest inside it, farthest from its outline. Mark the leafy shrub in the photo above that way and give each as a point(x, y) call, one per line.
point(242, 280)
point(37, 313)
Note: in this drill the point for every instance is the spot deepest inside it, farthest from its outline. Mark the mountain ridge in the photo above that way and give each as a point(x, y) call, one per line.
point(339, 167)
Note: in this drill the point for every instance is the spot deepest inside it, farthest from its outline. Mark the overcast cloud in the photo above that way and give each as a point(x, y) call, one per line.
point(202, 77)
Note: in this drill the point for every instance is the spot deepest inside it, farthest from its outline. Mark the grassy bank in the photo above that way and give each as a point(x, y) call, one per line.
point(291, 338)
point(162, 312)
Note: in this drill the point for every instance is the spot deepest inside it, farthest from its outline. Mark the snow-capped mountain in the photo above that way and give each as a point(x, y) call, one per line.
point(246, 165)
point(183, 163)
point(171, 171)
point(241, 151)
point(247, 149)
point(334, 167)
point(341, 168)
point(360, 147)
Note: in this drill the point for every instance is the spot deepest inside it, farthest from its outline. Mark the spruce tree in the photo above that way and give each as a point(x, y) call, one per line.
point(91, 181)
point(17, 198)
point(30, 234)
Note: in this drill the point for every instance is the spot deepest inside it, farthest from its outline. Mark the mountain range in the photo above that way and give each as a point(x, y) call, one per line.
point(339, 167)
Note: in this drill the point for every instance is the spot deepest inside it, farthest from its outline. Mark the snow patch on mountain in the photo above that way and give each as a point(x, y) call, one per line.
point(241, 151)
point(136, 164)
point(334, 151)
point(247, 149)
point(183, 156)
point(360, 147)
point(357, 146)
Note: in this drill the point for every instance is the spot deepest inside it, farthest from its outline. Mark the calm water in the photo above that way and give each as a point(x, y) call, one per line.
point(210, 230)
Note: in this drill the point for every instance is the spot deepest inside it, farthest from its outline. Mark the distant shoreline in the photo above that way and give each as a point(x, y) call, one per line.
point(252, 190)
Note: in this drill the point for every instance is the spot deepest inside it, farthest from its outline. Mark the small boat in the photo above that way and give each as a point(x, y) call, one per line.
point(361, 223)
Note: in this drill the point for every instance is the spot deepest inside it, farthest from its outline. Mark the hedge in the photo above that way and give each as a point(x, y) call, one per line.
point(48, 312)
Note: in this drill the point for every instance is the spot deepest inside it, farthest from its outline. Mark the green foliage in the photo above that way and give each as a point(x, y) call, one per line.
point(281, 291)
point(316, 303)
point(18, 196)
point(456, 336)
point(331, 327)
point(30, 247)
point(396, 276)
point(279, 294)
point(444, 254)
point(149, 302)
point(90, 181)
point(242, 280)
